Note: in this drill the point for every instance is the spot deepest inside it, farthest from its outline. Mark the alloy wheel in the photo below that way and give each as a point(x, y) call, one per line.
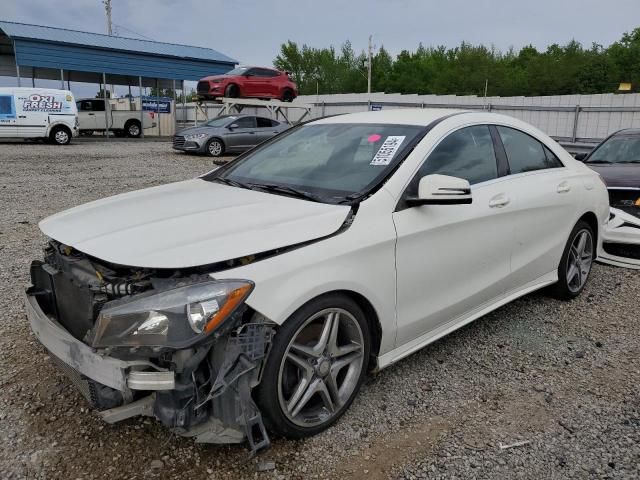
point(321, 367)
point(579, 261)
point(215, 148)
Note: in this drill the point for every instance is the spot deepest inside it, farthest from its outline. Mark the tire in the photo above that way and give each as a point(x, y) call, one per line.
point(133, 129)
point(215, 147)
point(232, 91)
point(287, 96)
point(319, 375)
point(576, 262)
point(60, 135)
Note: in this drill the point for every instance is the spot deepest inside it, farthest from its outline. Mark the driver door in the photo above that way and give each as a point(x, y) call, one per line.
point(453, 259)
point(241, 134)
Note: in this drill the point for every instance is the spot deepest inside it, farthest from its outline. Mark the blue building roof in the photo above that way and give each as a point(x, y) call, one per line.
point(60, 48)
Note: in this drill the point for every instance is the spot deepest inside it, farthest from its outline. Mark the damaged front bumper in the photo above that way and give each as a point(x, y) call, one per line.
point(621, 240)
point(208, 397)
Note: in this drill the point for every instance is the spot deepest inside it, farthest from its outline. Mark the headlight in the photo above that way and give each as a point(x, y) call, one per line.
point(173, 318)
point(195, 136)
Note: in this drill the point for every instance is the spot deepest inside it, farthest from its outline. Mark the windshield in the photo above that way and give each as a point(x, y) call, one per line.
point(621, 149)
point(238, 71)
point(220, 121)
point(332, 163)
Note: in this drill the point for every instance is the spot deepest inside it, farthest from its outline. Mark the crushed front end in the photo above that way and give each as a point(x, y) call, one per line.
point(177, 345)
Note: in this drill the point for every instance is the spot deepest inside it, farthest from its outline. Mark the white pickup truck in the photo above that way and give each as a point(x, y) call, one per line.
point(92, 118)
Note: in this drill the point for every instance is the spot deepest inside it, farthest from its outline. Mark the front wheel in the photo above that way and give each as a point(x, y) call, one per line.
point(215, 148)
point(287, 96)
point(575, 264)
point(315, 368)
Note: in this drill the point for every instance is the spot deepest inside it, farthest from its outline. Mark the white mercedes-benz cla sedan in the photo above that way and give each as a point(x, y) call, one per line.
point(255, 298)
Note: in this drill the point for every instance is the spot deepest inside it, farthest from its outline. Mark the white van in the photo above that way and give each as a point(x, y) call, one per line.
point(38, 113)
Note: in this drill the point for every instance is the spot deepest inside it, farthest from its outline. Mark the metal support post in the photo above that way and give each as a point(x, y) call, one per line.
point(158, 106)
point(175, 109)
point(141, 110)
point(184, 106)
point(18, 73)
point(62, 78)
point(33, 77)
point(106, 108)
point(576, 117)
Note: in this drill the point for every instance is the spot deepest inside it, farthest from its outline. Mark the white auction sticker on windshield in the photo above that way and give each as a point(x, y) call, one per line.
point(388, 150)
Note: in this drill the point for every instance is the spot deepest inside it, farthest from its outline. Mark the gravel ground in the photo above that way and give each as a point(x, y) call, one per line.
point(562, 377)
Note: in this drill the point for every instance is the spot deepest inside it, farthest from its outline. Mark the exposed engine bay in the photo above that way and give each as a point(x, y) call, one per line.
point(190, 359)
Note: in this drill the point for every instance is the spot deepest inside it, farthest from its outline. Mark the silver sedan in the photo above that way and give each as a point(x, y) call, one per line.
point(227, 134)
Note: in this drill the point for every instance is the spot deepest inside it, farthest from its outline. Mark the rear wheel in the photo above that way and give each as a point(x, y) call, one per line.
point(133, 128)
point(315, 368)
point(287, 96)
point(215, 147)
point(576, 262)
point(60, 135)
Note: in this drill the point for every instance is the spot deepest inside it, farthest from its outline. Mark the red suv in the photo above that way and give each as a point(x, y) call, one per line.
point(256, 82)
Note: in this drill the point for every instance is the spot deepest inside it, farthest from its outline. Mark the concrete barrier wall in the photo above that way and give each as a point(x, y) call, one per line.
point(568, 118)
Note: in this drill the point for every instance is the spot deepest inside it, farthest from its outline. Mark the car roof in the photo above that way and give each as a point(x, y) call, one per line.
point(628, 132)
point(398, 116)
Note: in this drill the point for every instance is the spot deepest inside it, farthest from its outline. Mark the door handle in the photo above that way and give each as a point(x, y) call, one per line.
point(564, 187)
point(90, 113)
point(499, 201)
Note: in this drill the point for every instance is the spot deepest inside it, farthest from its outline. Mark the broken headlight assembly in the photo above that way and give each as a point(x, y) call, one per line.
point(175, 318)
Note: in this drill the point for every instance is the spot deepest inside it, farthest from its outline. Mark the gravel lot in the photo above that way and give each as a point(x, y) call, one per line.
point(562, 376)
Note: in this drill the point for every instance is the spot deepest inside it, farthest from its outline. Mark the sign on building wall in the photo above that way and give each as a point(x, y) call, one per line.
point(153, 104)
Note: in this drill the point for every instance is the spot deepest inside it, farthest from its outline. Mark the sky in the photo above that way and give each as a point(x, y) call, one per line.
point(252, 31)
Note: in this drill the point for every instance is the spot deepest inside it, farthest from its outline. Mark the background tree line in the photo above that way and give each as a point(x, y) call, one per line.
point(559, 70)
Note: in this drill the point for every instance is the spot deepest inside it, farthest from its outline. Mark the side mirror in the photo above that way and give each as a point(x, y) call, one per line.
point(441, 190)
point(233, 125)
point(581, 157)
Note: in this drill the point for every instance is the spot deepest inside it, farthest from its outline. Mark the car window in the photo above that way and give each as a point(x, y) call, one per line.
point(265, 122)
point(97, 105)
point(525, 153)
point(85, 105)
point(617, 149)
point(245, 122)
point(552, 159)
point(467, 153)
point(334, 161)
point(271, 73)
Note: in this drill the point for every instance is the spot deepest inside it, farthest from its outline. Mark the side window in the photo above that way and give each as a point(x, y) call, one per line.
point(253, 72)
point(246, 122)
point(552, 160)
point(467, 153)
point(97, 105)
point(525, 153)
point(85, 106)
point(264, 122)
point(272, 73)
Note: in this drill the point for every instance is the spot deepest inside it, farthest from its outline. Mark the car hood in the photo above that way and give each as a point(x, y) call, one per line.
point(622, 175)
point(190, 223)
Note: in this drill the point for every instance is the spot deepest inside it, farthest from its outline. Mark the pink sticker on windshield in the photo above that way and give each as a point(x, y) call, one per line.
point(374, 138)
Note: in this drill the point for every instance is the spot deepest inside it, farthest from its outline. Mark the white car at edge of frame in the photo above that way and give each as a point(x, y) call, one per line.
point(255, 298)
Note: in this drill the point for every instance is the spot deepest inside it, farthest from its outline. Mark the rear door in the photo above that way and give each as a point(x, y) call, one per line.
point(8, 117)
point(241, 134)
point(545, 204)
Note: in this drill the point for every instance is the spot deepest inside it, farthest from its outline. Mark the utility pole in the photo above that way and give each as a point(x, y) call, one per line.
point(369, 66)
point(107, 8)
